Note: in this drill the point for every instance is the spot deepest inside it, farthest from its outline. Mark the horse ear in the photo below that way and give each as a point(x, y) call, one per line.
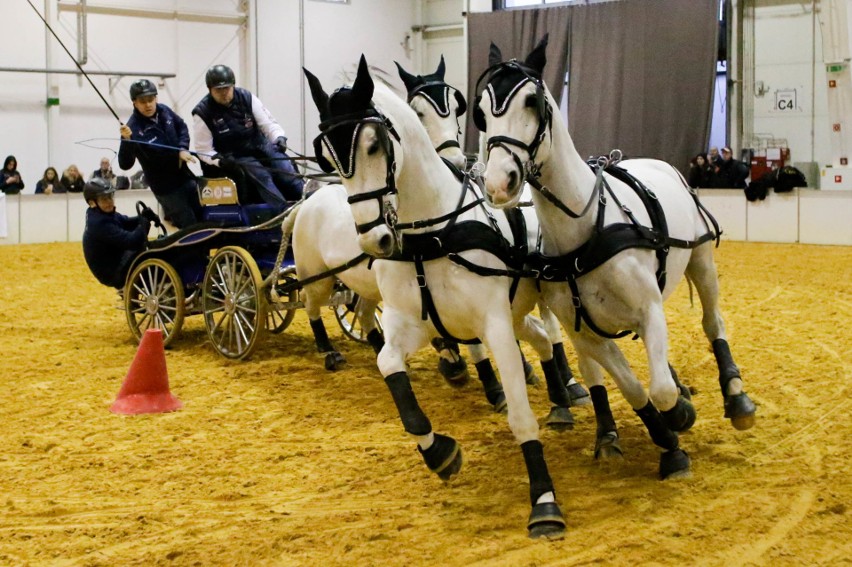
point(537, 58)
point(442, 68)
point(495, 56)
point(408, 79)
point(362, 88)
point(319, 95)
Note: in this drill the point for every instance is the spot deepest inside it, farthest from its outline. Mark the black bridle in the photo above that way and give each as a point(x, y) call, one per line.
point(387, 210)
point(437, 94)
point(530, 170)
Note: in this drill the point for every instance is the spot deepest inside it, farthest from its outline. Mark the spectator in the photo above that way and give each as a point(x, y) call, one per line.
point(731, 172)
point(713, 157)
point(49, 183)
point(10, 179)
point(72, 180)
point(165, 168)
point(701, 173)
point(235, 129)
point(110, 240)
point(104, 172)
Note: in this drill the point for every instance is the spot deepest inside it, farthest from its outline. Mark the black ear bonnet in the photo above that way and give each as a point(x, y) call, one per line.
point(339, 130)
point(503, 81)
point(438, 95)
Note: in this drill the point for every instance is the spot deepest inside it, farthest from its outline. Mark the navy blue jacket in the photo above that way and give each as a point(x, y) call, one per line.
point(110, 241)
point(235, 132)
point(164, 172)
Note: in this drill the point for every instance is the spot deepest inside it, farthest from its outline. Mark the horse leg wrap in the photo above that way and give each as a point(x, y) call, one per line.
point(725, 361)
point(540, 482)
point(320, 336)
point(681, 417)
point(443, 457)
point(562, 362)
point(603, 413)
point(556, 390)
point(376, 340)
point(413, 418)
point(661, 435)
point(493, 388)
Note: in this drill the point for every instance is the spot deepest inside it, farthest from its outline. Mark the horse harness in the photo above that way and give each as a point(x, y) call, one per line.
point(456, 237)
point(606, 240)
point(449, 241)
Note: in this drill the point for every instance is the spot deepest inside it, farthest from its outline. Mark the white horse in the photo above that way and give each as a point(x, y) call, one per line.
point(439, 107)
point(443, 275)
point(604, 255)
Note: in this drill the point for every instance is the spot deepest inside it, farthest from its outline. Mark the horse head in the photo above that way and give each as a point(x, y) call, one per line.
point(516, 111)
point(439, 106)
point(357, 141)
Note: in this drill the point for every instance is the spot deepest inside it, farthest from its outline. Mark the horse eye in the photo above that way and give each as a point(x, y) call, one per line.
point(530, 101)
point(374, 147)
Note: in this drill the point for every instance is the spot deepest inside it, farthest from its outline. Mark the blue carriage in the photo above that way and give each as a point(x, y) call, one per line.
point(226, 269)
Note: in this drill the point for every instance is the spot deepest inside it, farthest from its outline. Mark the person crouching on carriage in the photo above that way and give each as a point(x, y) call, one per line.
point(111, 240)
point(165, 168)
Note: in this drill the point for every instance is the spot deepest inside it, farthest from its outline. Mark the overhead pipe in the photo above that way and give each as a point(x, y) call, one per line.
point(82, 35)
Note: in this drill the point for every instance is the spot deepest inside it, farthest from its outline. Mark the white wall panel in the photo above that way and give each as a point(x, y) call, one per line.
point(728, 207)
point(824, 217)
point(775, 219)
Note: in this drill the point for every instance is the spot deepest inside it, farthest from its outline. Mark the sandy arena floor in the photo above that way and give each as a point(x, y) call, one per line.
point(275, 461)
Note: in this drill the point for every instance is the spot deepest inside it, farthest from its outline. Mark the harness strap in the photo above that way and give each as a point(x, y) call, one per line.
point(298, 284)
point(428, 310)
point(438, 220)
point(447, 144)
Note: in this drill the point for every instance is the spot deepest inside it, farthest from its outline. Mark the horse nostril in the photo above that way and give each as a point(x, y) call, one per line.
point(386, 243)
point(513, 180)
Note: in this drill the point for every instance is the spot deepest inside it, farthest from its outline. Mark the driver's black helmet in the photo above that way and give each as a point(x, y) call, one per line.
point(142, 87)
point(97, 187)
point(219, 76)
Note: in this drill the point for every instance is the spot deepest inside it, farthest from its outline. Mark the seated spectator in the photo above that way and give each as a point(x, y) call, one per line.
point(110, 240)
point(713, 156)
point(104, 172)
point(10, 179)
point(732, 173)
point(72, 180)
point(50, 183)
point(701, 173)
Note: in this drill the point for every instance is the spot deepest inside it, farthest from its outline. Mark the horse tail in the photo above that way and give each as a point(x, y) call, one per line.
point(287, 226)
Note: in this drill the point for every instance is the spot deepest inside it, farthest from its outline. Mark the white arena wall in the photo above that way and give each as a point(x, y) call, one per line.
point(804, 215)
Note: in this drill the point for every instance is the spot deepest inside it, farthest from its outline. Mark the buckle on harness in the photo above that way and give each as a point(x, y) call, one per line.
point(576, 301)
point(544, 272)
point(421, 280)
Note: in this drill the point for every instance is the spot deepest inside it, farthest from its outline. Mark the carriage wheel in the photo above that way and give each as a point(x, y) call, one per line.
point(154, 299)
point(233, 304)
point(347, 318)
point(278, 320)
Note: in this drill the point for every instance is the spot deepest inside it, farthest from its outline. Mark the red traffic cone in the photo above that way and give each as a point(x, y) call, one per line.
point(146, 387)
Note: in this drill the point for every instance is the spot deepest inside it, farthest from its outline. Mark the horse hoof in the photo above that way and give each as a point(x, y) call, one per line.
point(740, 410)
point(608, 447)
point(334, 360)
point(674, 464)
point(743, 423)
point(560, 419)
point(444, 457)
point(681, 417)
point(546, 521)
point(530, 375)
point(578, 394)
point(455, 373)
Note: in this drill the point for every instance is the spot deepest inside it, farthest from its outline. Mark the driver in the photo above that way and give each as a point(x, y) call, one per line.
point(111, 240)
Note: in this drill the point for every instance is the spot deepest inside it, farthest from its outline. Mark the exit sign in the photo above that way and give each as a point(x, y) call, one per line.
point(835, 68)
